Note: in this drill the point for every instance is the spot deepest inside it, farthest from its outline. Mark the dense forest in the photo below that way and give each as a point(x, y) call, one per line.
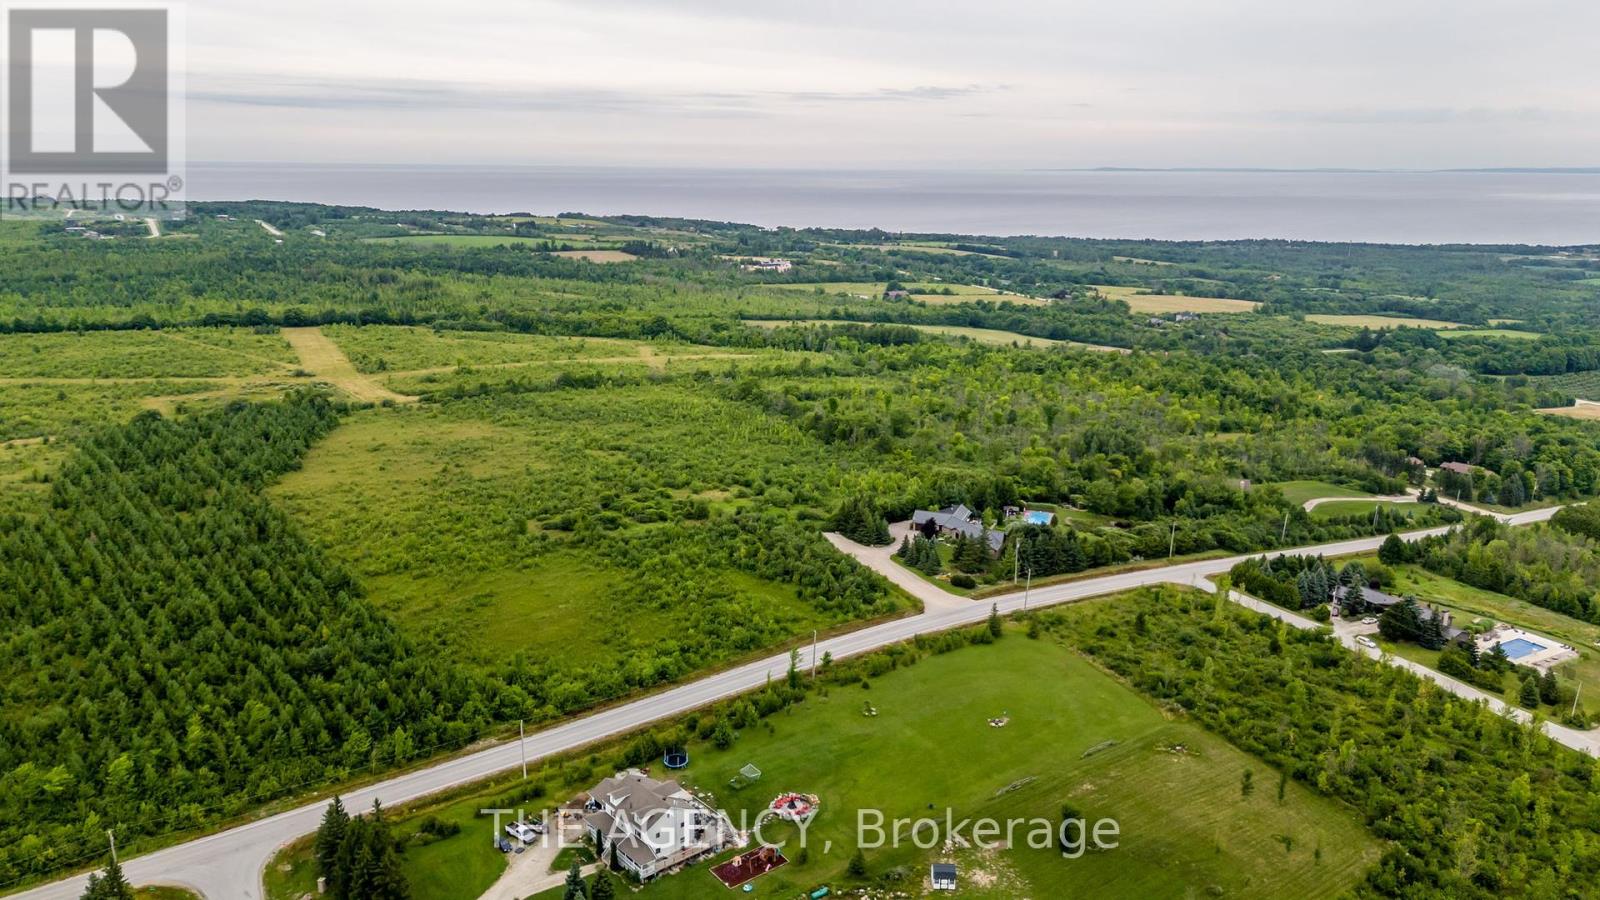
point(1476, 805)
point(176, 651)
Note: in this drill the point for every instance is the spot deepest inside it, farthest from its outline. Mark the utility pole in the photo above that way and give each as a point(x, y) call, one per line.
point(1284, 534)
point(522, 744)
point(1172, 542)
point(813, 654)
point(111, 836)
point(1575, 698)
point(1026, 588)
point(1016, 559)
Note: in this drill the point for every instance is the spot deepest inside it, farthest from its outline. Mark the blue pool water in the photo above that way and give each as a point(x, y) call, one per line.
point(1517, 648)
point(1037, 517)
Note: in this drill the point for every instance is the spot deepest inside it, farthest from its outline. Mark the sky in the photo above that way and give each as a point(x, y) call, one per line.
point(1003, 84)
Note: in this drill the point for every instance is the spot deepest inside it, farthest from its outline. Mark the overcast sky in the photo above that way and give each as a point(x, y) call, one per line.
point(870, 83)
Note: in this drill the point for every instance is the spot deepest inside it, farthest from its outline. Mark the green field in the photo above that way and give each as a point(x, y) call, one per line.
point(1185, 827)
point(1509, 333)
point(403, 349)
point(1298, 492)
point(477, 240)
point(179, 353)
point(989, 336)
point(1379, 322)
point(1340, 508)
point(553, 526)
point(1143, 302)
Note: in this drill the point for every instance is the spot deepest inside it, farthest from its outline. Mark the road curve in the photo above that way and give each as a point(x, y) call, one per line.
point(228, 865)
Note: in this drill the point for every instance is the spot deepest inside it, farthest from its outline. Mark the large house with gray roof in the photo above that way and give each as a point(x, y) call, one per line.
point(650, 826)
point(954, 520)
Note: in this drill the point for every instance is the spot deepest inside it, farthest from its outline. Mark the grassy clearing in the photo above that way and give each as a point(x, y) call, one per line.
point(394, 348)
point(1580, 410)
point(184, 353)
point(459, 518)
point(470, 240)
point(1298, 492)
point(1508, 333)
point(1381, 322)
point(1340, 508)
point(1156, 304)
point(597, 256)
point(930, 748)
point(991, 336)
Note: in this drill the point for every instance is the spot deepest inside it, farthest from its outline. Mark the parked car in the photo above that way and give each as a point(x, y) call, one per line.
point(1366, 641)
point(526, 832)
point(1370, 620)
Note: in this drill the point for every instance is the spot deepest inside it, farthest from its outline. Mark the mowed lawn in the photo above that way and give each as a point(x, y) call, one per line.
point(1143, 303)
point(1338, 508)
point(1298, 492)
point(1186, 827)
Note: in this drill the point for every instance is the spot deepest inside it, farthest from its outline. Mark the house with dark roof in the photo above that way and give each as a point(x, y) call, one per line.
point(651, 826)
point(943, 876)
point(954, 520)
point(1377, 601)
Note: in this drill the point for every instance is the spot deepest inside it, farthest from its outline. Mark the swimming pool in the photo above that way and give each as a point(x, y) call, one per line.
point(1517, 648)
point(1038, 517)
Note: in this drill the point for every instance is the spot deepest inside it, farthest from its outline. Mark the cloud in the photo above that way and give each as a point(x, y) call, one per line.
point(430, 96)
point(1415, 116)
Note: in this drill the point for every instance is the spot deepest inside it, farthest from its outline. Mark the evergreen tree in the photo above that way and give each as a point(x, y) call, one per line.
point(575, 889)
point(996, 627)
point(111, 885)
point(1549, 688)
point(602, 888)
point(1402, 621)
point(857, 868)
point(1528, 696)
point(330, 836)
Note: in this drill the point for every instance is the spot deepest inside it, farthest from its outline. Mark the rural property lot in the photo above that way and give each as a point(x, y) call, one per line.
point(1382, 322)
point(1155, 304)
point(1073, 735)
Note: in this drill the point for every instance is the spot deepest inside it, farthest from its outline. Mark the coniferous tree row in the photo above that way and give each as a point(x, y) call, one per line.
point(176, 652)
point(357, 857)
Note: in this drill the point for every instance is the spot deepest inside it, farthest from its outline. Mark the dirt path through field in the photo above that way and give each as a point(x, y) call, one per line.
point(323, 358)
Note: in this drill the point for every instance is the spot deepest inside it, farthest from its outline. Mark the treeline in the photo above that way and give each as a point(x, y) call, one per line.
point(176, 652)
point(1545, 566)
point(1474, 805)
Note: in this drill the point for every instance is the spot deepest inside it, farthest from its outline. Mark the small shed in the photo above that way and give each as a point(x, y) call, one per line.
point(943, 876)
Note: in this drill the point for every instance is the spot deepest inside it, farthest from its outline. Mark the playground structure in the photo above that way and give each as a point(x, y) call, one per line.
point(748, 866)
point(675, 759)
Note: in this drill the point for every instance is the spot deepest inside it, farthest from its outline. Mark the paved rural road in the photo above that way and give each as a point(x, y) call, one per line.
point(228, 865)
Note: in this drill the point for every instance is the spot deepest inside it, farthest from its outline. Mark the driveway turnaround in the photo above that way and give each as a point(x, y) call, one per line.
point(228, 865)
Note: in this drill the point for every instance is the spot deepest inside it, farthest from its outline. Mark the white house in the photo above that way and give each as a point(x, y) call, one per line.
point(651, 826)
